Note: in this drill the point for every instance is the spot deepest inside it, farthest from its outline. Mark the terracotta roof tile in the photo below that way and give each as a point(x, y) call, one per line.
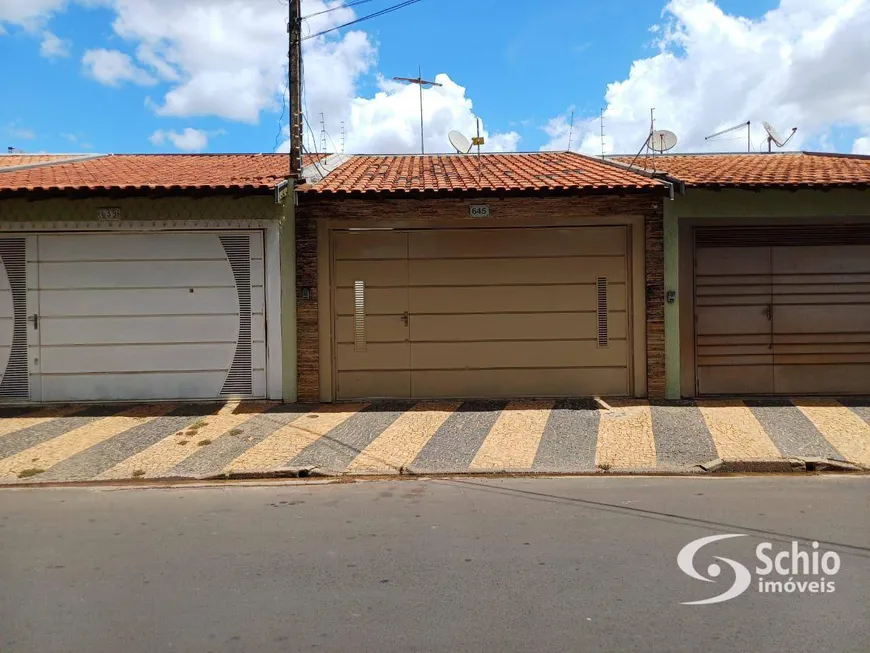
point(153, 171)
point(455, 173)
point(15, 160)
point(787, 169)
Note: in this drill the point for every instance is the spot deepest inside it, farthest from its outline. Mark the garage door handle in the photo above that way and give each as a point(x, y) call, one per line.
point(768, 312)
point(35, 319)
point(406, 318)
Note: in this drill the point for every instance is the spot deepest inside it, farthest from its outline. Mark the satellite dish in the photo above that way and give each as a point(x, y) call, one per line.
point(662, 140)
point(460, 142)
point(774, 136)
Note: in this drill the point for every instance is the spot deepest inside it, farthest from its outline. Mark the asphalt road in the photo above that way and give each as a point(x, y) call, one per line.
point(585, 564)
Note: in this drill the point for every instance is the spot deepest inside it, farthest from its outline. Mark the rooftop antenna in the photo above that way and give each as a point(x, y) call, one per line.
point(602, 132)
point(743, 125)
point(322, 133)
point(459, 142)
point(421, 83)
point(14, 150)
point(571, 131)
point(773, 136)
point(646, 143)
point(478, 140)
point(342, 136)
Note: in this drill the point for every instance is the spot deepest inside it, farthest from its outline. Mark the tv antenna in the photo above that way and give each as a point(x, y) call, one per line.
point(743, 125)
point(342, 136)
point(421, 83)
point(459, 142)
point(322, 133)
point(602, 132)
point(571, 131)
point(774, 136)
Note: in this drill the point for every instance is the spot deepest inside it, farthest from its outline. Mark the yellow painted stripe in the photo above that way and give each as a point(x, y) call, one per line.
point(403, 440)
point(737, 434)
point(162, 456)
point(625, 436)
point(47, 454)
point(847, 433)
point(513, 440)
point(14, 424)
point(286, 443)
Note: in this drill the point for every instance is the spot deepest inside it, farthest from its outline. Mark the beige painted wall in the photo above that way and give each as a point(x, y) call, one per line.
point(730, 207)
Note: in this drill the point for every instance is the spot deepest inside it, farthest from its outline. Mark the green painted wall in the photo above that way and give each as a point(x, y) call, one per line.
point(766, 206)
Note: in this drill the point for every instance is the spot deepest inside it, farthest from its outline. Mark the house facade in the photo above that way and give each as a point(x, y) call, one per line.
point(140, 278)
point(423, 277)
point(767, 269)
point(199, 277)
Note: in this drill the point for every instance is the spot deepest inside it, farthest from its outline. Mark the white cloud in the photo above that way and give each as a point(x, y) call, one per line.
point(227, 58)
point(802, 64)
point(390, 121)
point(16, 130)
point(53, 47)
point(113, 67)
point(29, 14)
point(861, 145)
point(187, 140)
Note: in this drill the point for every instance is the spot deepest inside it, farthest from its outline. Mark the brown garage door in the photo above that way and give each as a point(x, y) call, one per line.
point(783, 310)
point(481, 313)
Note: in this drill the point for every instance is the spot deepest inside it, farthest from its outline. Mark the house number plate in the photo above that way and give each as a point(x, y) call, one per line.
point(479, 211)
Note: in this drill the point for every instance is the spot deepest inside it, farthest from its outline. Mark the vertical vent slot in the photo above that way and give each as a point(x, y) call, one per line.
point(239, 379)
point(15, 380)
point(602, 311)
point(359, 315)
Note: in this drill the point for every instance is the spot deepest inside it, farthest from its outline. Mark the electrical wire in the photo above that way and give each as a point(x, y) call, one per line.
point(346, 5)
point(382, 12)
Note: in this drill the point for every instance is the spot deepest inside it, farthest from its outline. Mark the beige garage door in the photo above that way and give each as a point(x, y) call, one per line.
point(481, 313)
point(782, 316)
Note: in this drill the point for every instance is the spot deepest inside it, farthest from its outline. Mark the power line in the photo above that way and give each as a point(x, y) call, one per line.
point(346, 5)
point(382, 12)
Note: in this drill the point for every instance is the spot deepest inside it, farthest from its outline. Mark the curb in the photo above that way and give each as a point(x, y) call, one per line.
point(716, 467)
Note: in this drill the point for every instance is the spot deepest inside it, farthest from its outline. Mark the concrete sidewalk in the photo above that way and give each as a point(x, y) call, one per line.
point(153, 441)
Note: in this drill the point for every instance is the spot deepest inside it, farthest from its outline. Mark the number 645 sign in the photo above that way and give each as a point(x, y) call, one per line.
point(479, 211)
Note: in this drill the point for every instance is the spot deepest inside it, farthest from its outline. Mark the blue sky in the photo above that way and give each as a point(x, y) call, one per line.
point(78, 80)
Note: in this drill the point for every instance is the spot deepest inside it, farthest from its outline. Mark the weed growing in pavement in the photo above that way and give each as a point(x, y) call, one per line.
point(138, 472)
point(27, 473)
point(203, 443)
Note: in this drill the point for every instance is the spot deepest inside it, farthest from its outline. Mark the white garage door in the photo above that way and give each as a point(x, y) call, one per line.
point(132, 316)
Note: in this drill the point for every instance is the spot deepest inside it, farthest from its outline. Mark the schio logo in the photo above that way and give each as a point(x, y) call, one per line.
point(686, 562)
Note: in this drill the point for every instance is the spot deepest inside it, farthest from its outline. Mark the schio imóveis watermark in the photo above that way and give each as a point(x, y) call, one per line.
point(781, 568)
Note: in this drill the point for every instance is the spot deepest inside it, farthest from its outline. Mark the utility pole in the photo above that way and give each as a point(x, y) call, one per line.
point(294, 85)
point(421, 83)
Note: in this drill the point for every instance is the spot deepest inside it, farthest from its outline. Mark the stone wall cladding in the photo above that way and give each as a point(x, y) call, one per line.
point(313, 208)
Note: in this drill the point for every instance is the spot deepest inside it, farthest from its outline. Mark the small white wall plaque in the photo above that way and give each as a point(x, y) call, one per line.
point(112, 213)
